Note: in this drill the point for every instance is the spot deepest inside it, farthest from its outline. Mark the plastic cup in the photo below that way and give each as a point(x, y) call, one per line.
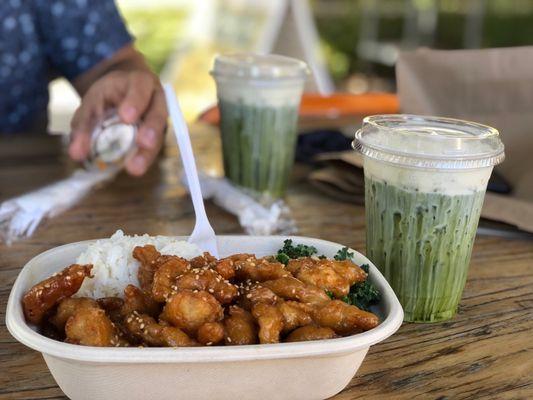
point(425, 181)
point(258, 98)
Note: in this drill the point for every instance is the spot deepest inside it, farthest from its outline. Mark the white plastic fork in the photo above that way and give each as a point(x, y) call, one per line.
point(203, 234)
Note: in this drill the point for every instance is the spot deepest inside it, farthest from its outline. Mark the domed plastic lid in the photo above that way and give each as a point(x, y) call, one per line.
point(429, 142)
point(257, 66)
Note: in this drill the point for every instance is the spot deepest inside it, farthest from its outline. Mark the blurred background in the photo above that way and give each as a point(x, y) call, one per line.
point(352, 45)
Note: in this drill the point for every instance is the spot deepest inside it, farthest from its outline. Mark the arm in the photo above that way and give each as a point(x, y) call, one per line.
point(126, 83)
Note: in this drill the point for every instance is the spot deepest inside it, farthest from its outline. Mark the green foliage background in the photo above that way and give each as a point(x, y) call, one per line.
point(506, 23)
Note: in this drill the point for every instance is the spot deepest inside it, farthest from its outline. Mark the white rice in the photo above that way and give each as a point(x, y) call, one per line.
point(114, 266)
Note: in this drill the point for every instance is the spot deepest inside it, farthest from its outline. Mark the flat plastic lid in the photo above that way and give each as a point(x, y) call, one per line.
point(429, 142)
point(258, 66)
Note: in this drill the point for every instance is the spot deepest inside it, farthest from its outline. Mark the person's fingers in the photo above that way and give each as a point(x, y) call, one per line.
point(150, 136)
point(138, 98)
point(153, 125)
point(82, 124)
point(138, 94)
point(139, 162)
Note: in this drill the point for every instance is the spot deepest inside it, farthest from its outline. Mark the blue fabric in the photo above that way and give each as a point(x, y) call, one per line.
point(41, 39)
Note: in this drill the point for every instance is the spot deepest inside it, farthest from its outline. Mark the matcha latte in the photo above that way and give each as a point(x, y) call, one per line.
point(258, 99)
point(425, 181)
point(421, 239)
point(258, 144)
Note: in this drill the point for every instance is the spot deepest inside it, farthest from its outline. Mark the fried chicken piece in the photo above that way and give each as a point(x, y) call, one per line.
point(349, 270)
point(146, 329)
point(210, 281)
point(319, 273)
point(210, 333)
point(165, 276)
point(240, 327)
point(310, 332)
point(343, 318)
point(256, 293)
point(110, 304)
point(304, 307)
point(248, 267)
point(137, 300)
point(290, 288)
point(293, 316)
point(91, 327)
point(42, 297)
point(113, 307)
point(270, 321)
point(188, 310)
point(331, 275)
point(68, 307)
point(225, 268)
point(206, 260)
point(116, 311)
point(175, 337)
point(147, 255)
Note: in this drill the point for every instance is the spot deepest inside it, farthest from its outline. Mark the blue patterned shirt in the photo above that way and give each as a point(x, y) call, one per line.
point(43, 39)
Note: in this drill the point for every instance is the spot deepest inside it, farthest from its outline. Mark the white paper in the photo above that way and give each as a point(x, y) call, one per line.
point(20, 216)
point(255, 217)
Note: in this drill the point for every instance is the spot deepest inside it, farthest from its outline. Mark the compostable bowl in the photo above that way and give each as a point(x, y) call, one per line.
point(304, 370)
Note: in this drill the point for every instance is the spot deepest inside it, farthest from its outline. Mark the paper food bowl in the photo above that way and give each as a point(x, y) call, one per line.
point(305, 370)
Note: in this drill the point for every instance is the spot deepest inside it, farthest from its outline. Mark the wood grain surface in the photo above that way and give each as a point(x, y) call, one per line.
point(486, 351)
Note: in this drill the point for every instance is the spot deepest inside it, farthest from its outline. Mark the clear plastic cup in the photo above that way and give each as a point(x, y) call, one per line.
point(425, 180)
point(258, 98)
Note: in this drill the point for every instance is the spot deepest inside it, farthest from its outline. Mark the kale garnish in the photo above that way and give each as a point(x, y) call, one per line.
point(362, 294)
point(289, 251)
point(343, 254)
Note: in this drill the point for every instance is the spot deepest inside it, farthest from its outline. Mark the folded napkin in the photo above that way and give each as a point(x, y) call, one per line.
point(20, 216)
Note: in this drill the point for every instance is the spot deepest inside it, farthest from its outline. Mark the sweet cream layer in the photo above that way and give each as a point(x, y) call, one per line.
point(266, 94)
point(428, 181)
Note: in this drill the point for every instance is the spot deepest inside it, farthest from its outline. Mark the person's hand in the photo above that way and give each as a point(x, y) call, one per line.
point(138, 98)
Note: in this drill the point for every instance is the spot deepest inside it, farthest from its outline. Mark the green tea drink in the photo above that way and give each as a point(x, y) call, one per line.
point(258, 98)
point(425, 180)
point(421, 238)
point(258, 145)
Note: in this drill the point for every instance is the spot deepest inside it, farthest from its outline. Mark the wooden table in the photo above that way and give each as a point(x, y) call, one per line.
point(484, 352)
